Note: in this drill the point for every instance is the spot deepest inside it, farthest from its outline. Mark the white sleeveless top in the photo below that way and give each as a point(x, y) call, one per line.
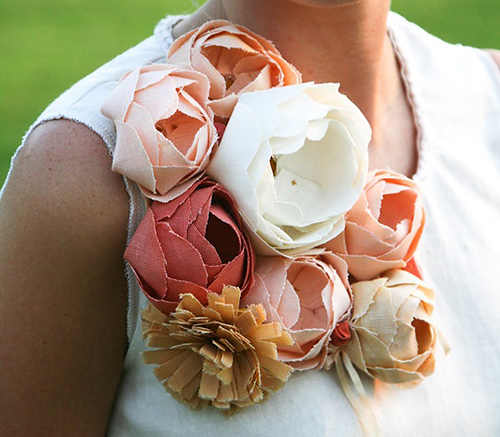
point(455, 95)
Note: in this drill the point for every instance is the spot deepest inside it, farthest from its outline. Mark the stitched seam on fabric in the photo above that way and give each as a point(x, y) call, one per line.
point(163, 30)
point(412, 99)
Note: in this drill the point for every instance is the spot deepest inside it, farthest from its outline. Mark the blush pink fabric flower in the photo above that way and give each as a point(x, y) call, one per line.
point(308, 296)
point(383, 228)
point(234, 59)
point(193, 244)
point(165, 131)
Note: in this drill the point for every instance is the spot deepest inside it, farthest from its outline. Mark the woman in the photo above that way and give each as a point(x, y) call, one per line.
point(434, 111)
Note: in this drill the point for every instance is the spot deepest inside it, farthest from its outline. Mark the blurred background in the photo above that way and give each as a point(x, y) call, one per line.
point(47, 45)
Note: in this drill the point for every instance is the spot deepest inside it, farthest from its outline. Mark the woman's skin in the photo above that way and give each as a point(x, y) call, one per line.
point(63, 218)
point(63, 221)
point(352, 36)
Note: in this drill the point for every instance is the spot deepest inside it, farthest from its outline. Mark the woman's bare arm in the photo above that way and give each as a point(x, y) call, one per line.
point(63, 221)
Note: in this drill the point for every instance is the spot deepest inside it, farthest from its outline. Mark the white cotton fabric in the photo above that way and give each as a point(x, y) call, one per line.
point(455, 94)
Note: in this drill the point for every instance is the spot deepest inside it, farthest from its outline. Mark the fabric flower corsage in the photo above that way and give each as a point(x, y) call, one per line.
point(265, 249)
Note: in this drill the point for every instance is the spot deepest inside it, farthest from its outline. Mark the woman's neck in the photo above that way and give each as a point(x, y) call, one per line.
point(340, 43)
point(345, 43)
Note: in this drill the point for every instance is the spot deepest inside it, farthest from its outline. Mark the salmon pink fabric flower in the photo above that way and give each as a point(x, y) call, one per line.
point(295, 159)
point(234, 59)
point(165, 131)
point(192, 244)
point(383, 228)
point(308, 296)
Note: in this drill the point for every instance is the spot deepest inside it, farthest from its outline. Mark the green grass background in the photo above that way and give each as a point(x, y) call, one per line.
point(46, 45)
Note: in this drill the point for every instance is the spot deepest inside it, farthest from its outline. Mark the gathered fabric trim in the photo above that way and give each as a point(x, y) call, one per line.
point(411, 97)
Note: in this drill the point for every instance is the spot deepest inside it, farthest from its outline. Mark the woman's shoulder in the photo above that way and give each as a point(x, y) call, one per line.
point(65, 158)
point(71, 140)
point(61, 178)
point(63, 226)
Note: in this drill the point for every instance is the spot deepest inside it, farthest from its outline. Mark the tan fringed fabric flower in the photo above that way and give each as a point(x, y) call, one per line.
point(393, 336)
point(220, 354)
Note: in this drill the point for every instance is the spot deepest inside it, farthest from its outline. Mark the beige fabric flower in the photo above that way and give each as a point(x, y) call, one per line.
point(221, 354)
point(393, 336)
point(383, 227)
point(234, 59)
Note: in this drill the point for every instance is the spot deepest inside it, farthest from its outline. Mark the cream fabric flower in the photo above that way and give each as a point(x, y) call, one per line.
point(393, 335)
point(234, 59)
point(295, 159)
point(165, 130)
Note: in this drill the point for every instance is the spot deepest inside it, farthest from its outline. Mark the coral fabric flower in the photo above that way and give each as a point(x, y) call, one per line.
point(393, 336)
point(295, 159)
point(219, 354)
point(234, 59)
point(193, 244)
point(165, 131)
point(383, 228)
point(309, 296)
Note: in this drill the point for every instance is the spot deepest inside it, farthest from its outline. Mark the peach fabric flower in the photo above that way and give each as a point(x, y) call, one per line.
point(393, 335)
point(309, 296)
point(193, 244)
point(234, 59)
point(295, 159)
point(383, 228)
point(165, 131)
point(220, 354)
